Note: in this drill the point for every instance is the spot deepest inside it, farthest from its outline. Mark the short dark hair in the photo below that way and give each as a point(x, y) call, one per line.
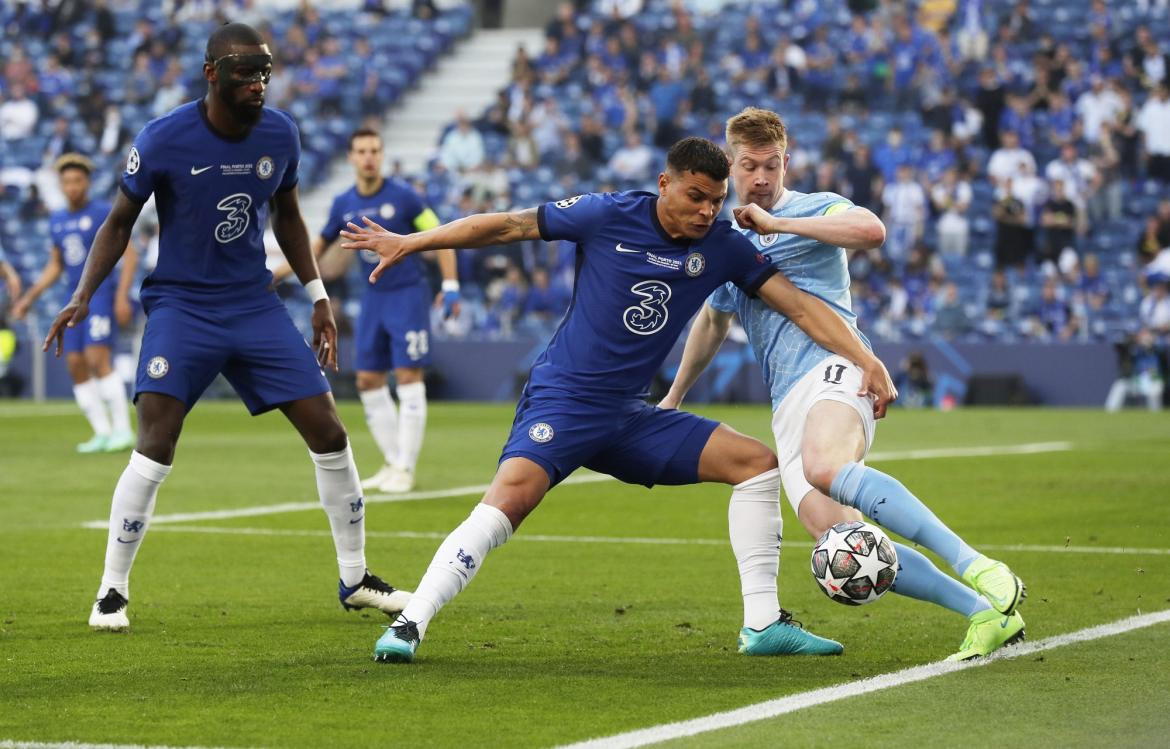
point(698, 155)
point(363, 132)
point(231, 34)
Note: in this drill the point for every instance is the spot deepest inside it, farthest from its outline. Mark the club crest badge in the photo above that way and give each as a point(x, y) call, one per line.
point(695, 264)
point(540, 432)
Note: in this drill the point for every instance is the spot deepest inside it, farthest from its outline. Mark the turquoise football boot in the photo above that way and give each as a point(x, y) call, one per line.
point(398, 643)
point(94, 444)
point(785, 636)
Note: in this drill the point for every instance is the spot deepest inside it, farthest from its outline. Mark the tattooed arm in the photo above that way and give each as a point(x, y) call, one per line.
point(480, 230)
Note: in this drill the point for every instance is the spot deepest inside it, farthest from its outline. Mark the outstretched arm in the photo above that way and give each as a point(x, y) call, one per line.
point(828, 329)
point(480, 230)
point(707, 334)
point(293, 237)
point(49, 275)
point(109, 243)
point(853, 228)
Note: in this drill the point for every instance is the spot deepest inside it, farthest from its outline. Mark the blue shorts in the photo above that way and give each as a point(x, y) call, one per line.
point(393, 329)
point(97, 329)
point(259, 350)
point(627, 439)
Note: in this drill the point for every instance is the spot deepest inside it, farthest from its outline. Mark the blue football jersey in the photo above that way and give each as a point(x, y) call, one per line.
point(636, 288)
point(395, 207)
point(784, 351)
point(212, 195)
point(72, 233)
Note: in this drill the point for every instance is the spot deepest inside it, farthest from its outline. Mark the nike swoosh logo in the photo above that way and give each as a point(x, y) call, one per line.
point(619, 248)
point(352, 522)
point(126, 542)
point(195, 171)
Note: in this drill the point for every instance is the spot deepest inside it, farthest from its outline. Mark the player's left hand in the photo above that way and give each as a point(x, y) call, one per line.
point(123, 311)
point(325, 334)
point(449, 301)
point(876, 381)
point(751, 216)
point(391, 247)
point(71, 315)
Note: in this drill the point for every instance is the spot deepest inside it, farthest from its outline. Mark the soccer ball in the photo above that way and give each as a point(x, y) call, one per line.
point(854, 563)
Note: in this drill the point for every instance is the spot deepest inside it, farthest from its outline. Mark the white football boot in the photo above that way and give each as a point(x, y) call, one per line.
point(109, 613)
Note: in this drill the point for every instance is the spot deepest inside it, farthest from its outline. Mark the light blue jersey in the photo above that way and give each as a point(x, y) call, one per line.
point(784, 351)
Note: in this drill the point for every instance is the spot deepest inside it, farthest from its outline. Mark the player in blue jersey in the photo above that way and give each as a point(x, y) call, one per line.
point(823, 429)
point(645, 263)
point(393, 328)
point(216, 167)
point(98, 389)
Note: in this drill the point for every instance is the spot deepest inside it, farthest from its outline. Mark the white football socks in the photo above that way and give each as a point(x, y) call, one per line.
point(455, 563)
point(129, 516)
point(113, 392)
point(755, 527)
point(382, 419)
point(412, 422)
point(340, 491)
point(89, 400)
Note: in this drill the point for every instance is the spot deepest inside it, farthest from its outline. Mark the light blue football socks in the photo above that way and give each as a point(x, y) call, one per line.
point(919, 578)
point(884, 500)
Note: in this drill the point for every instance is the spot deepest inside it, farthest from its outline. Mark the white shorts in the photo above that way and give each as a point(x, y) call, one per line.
point(834, 378)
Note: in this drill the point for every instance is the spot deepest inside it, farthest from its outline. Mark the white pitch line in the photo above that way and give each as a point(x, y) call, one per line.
point(816, 697)
point(635, 540)
point(583, 477)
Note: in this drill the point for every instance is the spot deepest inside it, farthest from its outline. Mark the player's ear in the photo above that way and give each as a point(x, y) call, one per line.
point(209, 72)
point(663, 181)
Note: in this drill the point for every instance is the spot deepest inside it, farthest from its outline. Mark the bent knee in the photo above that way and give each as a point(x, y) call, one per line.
point(820, 473)
point(754, 460)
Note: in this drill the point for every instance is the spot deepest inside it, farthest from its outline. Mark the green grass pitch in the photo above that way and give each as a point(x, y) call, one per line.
point(237, 637)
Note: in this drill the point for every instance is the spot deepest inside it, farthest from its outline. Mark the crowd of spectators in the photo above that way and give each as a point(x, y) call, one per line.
point(1014, 149)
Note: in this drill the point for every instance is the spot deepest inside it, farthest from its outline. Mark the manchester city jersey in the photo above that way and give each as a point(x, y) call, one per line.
point(72, 233)
point(212, 194)
point(784, 351)
point(635, 290)
point(395, 207)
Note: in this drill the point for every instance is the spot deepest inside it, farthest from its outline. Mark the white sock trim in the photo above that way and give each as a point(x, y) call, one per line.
point(766, 481)
point(332, 461)
point(147, 468)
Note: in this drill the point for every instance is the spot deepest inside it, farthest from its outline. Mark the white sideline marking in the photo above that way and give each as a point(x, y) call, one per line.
point(815, 697)
point(639, 540)
point(581, 477)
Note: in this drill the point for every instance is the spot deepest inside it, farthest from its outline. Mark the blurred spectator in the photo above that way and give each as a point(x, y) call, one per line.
point(1098, 104)
point(951, 198)
point(1052, 317)
point(1014, 238)
point(633, 160)
point(1006, 160)
point(1149, 244)
point(1154, 310)
point(1147, 62)
point(950, 317)
point(18, 113)
point(972, 24)
point(904, 211)
point(1105, 201)
point(1059, 219)
point(462, 148)
point(1154, 122)
point(914, 383)
point(990, 100)
point(1078, 177)
point(998, 305)
point(1142, 365)
point(863, 178)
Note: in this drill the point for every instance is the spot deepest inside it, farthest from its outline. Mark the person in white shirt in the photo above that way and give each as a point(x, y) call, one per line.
point(632, 161)
point(18, 114)
point(1005, 161)
point(1080, 178)
point(904, 210)
point(1154, 121)
point(951, 198)
point(462, 147)
point(1098, 104)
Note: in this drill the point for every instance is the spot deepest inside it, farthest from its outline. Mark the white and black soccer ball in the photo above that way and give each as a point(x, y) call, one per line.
point(854, 563)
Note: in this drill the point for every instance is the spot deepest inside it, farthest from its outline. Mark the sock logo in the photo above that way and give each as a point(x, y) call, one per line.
point(357, 506)
point(465, 559)
point(132, 526)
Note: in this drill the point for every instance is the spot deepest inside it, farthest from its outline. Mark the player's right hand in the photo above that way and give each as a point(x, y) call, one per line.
point(877, 383)
point(391, 247)
point(70, 316)
point(751, 216)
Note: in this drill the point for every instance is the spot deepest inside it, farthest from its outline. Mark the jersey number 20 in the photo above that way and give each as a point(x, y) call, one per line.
point(236, 221)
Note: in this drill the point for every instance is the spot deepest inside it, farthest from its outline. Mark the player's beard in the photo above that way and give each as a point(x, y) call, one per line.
point(243, 112)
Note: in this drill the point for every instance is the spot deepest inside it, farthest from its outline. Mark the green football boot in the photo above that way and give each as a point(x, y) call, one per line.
point(989, 631)
point(785, 636)
point(997, 583)
point(94, 444)
point(119, 441)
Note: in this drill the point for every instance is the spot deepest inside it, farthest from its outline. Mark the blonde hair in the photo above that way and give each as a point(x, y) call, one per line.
point(756, 127)
point(73, 161)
